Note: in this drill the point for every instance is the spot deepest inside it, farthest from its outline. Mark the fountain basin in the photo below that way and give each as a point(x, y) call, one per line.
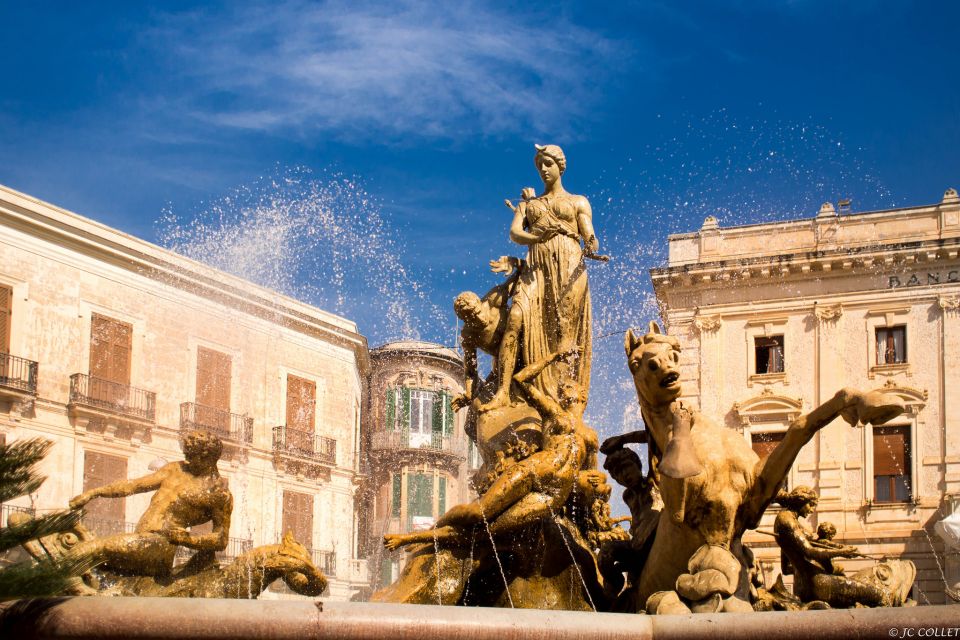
point(168, 619)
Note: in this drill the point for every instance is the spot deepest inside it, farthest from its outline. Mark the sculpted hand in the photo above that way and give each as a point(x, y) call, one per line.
point(591, 244)
point(503, 264)
point(459, 402)
point(528, 193)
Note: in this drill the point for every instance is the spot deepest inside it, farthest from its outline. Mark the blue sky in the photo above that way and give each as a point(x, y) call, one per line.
point(402, 126)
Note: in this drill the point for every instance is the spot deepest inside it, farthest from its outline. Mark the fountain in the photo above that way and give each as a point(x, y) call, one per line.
point(540, 534)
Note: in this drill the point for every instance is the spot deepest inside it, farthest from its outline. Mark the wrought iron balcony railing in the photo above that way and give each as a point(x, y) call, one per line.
point(235, 547)
point(223, 424)
point(18, 373)
point(108, 527)
point(7, 509)
point(326, 561)
point(386, 440)
point(113, 397)
point(303, 444)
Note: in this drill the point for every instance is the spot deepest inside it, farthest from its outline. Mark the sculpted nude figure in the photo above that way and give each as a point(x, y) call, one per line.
point(484, 321)
point(533, 488)
point(188, 493)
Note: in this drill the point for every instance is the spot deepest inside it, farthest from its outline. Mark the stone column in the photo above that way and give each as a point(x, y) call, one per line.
point(829, 380)
point(950, 389)
point(708, 327)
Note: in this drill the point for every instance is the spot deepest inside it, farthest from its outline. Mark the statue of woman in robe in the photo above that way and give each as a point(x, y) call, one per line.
point(551, 304)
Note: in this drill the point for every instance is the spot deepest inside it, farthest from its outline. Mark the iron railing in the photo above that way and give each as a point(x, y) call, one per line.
point(7, 509)
point(405, 440)
point(223, 424)
point(304, 444)
point(113, 396)
point(107, 527)
point(326, 561)
point(235, 547)
point(18, 373)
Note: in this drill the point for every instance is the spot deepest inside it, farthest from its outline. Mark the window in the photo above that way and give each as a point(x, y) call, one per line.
point(425, 416)
point(892, 464)
point(213, 390)
point(395, 496)
point(301, 412)
point(104, 516)
point(892, 345)
point(764, 443)
point(420, 501)
point(421, 417)
point(769, 354)
point(6, 309)
point(110, 345)
point(298, 516)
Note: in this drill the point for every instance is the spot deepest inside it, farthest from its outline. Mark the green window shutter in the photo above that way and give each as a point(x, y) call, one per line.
point(420, 494)
point(405, 411)
point(436, 422)
point(391, 424)
point(448, 415)
point(386, 571)
point(397, 492)
point(441, 495)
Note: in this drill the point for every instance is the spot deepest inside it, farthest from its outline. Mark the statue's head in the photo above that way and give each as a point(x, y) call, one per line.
point(826, 531)
point(202, 447)
point(624, 467)
point(467, 306)
point(801, 500)
point(654, 361)
point(550, 162)
point(570, 392)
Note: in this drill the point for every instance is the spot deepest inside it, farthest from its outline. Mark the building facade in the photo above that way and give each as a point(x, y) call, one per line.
point(113, 348)
point(775, 318)
point(419, 459)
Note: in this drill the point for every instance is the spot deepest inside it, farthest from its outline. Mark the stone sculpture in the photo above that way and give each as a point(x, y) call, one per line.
point(530, 539)
point(714, 487)
point(188, 493)
point(810, 558)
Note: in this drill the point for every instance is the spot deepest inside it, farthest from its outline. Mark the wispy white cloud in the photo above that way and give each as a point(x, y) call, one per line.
point(401, 69)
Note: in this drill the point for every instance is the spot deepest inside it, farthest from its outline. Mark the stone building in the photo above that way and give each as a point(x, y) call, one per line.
point(112, 348)
point(775, 318)
point(419, 460)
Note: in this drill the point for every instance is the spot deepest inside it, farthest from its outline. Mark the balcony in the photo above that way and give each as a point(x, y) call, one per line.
point(7, 509)
point(303, 452)
point(235, 548)
point(18, 376)
point(103, 527)
point(326, 561)
point(433, 442)
point(106, 406)
point(231, 428)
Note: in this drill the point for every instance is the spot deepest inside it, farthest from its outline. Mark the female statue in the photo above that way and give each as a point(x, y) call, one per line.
point(551, 303)
point(885, 584)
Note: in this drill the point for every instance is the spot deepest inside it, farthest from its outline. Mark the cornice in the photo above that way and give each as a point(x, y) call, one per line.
point(859, 259)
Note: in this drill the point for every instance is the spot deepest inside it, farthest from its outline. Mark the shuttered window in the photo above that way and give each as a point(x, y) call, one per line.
point(395, 496)
point(213, 390)
point(892, 345)
point(104, 516)
point(301, 412)
point(441, 495)
point(420, 500)
point(391, 410)
point(6, 311)
point(298, 516)
point(111, 342)
point(892, 467)
point(769, 354)
point(764, 443)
